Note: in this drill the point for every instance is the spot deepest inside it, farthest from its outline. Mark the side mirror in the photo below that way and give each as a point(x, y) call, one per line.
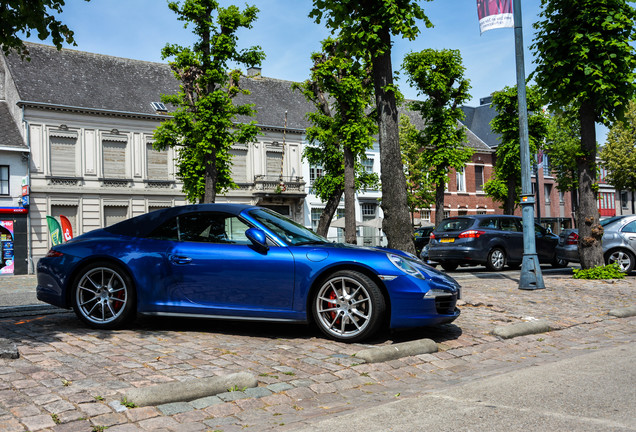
point(257, 237)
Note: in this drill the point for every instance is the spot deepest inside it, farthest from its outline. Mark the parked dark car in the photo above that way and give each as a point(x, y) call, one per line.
point(491, 240)
point(421, 235)
point(241, 262)
point(619, 242)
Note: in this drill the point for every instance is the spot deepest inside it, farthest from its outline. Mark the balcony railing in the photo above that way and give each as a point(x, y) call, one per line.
point(273, 184)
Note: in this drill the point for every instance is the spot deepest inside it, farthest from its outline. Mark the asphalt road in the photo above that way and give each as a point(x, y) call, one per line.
point(593, 392)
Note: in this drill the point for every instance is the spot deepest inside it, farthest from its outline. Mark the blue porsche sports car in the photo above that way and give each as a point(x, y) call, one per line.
point(241, 262)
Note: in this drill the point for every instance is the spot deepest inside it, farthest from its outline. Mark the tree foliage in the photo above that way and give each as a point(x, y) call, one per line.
point(19, 16)
point(439, 77)
point(507, 169)
point(562, 145)
point(202, 128)
point(419, 189)
point(585, 58)
point(366, 29)
point(341, 132)
point(618, 155)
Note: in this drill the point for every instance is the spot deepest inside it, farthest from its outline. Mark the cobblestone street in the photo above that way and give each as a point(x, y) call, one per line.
point(72, 378)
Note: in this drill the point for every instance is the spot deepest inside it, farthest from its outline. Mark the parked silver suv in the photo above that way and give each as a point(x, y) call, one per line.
point(619, 242)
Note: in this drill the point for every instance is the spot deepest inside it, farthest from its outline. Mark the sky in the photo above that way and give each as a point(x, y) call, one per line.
point(139, 29)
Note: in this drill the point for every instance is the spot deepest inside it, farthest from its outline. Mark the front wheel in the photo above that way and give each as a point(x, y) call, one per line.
point(348, 306)
point(623, 258)
point(104, 296)
point(496, 260)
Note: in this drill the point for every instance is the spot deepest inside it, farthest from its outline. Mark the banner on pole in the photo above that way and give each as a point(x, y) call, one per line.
point(54, 230)
point(494, 14)
point(67, 229)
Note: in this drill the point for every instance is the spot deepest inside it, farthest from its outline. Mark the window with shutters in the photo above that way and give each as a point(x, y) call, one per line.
point(274, 160)
point(157, 163)
point(114, 214)
point(63, 156)
point(239, 165)
point(114, 156)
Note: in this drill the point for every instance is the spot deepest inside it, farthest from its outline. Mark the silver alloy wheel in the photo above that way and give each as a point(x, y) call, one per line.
point(497, 259)
point(344, 307)
point(101, 295)
point(623, 259)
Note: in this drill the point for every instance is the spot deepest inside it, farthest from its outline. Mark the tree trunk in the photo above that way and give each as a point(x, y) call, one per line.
point(439, 203)
point(349, 197)
point(210, 178)
point(509, 204)
point(590, 231)
point(396, 224)
point(575, 206)
point(327, 214)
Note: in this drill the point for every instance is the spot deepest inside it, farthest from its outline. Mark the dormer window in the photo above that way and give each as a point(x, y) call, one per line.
point(159, 107)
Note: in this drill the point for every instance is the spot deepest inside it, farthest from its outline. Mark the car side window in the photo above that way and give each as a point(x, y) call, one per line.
point(539, 229)
point(203, 227)
point(490, 223)
point(508, 224)
point(630, 227)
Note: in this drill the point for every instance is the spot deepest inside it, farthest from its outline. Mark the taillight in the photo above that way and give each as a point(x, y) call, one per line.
point(471, 234)
point(53, 253)
point(572, 239)
point(432, 236)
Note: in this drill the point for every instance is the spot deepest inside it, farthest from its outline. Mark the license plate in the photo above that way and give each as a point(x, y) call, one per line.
point(447, 240)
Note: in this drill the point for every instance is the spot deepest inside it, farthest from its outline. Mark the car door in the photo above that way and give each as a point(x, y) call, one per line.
point(628, 233)
point(545, 243)
point(512, 235)
point(214, 266)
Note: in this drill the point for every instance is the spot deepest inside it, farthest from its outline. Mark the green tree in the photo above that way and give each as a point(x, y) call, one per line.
point(18, 16)
point(505, 186)
point(202, 128)
point(585, 58)
point(562, 145)
point(419, 190)
point(366, 28)
point(342, 131)
point(618, 156)
point(439, 77)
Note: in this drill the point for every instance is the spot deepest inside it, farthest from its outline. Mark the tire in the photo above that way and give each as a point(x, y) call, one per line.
point(104, 296)
point(449, 267)
point(559, 263)
point(496, 259)
point(348, 306)
point(623, 258)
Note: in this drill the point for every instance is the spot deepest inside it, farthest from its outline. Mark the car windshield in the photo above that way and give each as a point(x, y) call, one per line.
point(455, 224)
point(287, 230)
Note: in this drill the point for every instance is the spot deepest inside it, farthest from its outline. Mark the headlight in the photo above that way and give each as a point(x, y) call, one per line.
point(404, 265)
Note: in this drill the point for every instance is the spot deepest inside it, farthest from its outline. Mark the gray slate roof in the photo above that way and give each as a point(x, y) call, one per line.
point(95, 81)
point(10, 136)
point(474, 141)
point(478, 120)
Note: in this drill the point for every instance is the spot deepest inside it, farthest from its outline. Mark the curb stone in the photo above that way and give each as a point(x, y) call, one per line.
point(623, 312)
point(8, 349)
point(186, 391)
point(522, 329)
point(396, 351)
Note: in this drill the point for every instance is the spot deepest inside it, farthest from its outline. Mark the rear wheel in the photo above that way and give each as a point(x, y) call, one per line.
point(559, 263)
point(496, 259)
point(348, 306)
point(104, 296)
point(623, 258)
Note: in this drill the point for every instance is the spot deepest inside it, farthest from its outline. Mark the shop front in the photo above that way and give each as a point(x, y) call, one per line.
point(13, 241)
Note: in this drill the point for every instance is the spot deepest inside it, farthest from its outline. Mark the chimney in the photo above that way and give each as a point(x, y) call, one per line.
point(253, 71)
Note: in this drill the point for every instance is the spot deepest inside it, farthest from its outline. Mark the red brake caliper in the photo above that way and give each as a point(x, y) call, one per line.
point(332, 296)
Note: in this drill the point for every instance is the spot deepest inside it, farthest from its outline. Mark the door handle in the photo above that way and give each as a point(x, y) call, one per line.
point(179, 259)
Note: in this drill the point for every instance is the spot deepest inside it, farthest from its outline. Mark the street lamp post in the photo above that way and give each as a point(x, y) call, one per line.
point(531, 277)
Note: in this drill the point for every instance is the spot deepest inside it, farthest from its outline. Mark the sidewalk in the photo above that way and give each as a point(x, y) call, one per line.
point(18, 290)
point(72, 378)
